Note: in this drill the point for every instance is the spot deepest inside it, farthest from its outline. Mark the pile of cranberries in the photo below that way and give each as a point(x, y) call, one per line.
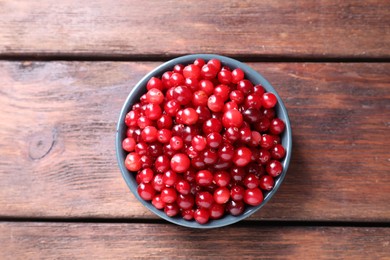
point(204, 141)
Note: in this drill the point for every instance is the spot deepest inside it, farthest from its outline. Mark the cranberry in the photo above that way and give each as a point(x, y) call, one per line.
point(157, 202)
point(245, 86)
point(180, 162)
point(171, 107)
point(222, 91)
point(274, 168)
point(204, 177)
point(131, 118)
point(204, 199)
point(278, 152)
point(221, 195)
point(168, 195)
point(235, 208)
point(189, 116)
point(146, 191)
point(212, 125)
point(199, 98)
point(204, 114)
point(146, 175)
point(201, 215)
point(191, 71)
point(128, 144)
point(171, 209)
point(154, 96)
point(237, 192)
point(182, 94)
point(199, 62)
point(187, 214)
point(215, 103)
point(232, 118)
point(266, 182)
point(149, 134)
point(226, 152)
point(209, 71)
point(225, 76)
point(183, 187)
point(164, 135)
point(176, 79)
point(217, 211)
point(185, 201)
point(153, 111)
point(157, 182)
point(133, 162)
point(277, 126)
point(162, 164)
point(214, 140)
point(169, 178)
point(242, 156)
point(207, 86)
point(210, 156)
point(237, 75)
point(176, 143)
point(199, 143)
point(253, 197)
point(154, 83)
point(269, 100)
point(266, 141)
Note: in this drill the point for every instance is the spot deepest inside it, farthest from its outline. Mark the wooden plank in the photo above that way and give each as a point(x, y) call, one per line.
point(118, 241)
point(270, 28)
point(58, 125)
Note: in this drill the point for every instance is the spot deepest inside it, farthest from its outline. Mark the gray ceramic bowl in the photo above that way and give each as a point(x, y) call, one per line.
point(140, 88)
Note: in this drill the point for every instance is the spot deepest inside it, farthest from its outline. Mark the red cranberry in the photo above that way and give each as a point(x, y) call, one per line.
point(242, 156)
point(269, 100)
point(274, 168)
point(201, 215)
point(253, 197)
point(180, 162)
point(146, 191)
point(266, 182)
point(133, 162)
point(154, 83)
point(235, 208)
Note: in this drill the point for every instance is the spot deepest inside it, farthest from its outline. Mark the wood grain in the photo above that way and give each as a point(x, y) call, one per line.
point(135, 28)
point(58, 125)
point(151, 241)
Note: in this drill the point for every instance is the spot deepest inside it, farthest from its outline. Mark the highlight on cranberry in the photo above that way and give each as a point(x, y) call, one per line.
point(204, 142)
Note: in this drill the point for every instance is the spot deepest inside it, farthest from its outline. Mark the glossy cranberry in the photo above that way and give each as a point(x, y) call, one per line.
point(215, 103)
point(155, 149)
point(258, 89)
point(217, 211)
point(178, 130)
point(146, 191)
point(165, 121)
point(192, 84)
point(237, 75)
point(157, 202)
point(199, 62)
point(207, 86)
point(157, 182)
point(268, 112)
point(214, 140)
point(269, 100)
point(262, 125)
point(165, 78)
point(189, 132)
point(176, 79)
point(168, 195)
point(182, 94)
point(267, 141)
point(253, 100)
point(278, 152)
point(242, 156)
point(264, 156)
point(128, 144)
point(232, 134)
point(204, 199)
point(133, 162)
point(255, 139)
point(171, 209)
point(131, 118)
point(237, 192)
point(212, 125)
point(185, 201)
point(232, 118)
point(178, 68)
point(162, 163)
point(237, 96)
point(190, 175)
point(217, 63)
point(167, 150)
point(204, 114)
point(222, 91)
point(198, 162)
point(191, 71)
point(225, 76)
point(164, 135)
point(221, 195)
point(237, 173)
point(199, 142)
point(204, 178)
point(226, 152)
point(191, 152)
point(229, 105)
point(274, 168)
point(153, 111)
point(141, 148)
point(176, 143)
point(266, 182)
point(277, 126)
point(208, 71)
point(202, 215)
point(146, 161)
point(189, 116)
point(154, 96)
point(245, 135)
point(210, 156)
point(253, 197)
point(180, 162)
point(154, 83)
point(187, 214)
point(183, 187)
point(169, 94)
point(251, 181)
point(222, 165)
point(245, 86)
point(171, 107)
point(199, 98)
point(149, 134)
point(235, 208)
point(146, 175)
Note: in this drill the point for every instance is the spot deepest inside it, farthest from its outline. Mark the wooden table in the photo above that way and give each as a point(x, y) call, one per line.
point(67, 66)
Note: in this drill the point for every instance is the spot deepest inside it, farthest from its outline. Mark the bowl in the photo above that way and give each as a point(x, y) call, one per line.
point(140, 88)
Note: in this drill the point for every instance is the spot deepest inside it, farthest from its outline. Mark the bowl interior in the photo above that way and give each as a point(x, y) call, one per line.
point(140, 88)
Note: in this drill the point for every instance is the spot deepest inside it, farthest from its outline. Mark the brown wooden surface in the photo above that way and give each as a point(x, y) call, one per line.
point(120, 241)
point(271, 28)
point(59, 118)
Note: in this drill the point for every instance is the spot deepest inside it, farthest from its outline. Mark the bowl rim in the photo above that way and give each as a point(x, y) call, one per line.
point(250, 74)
